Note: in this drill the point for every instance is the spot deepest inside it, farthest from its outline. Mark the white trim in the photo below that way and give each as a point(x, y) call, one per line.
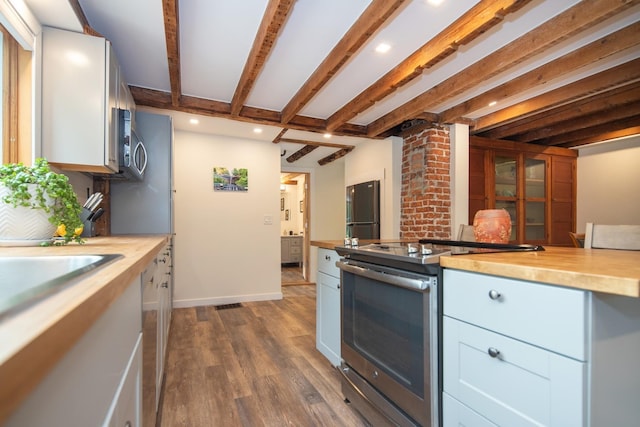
point(197, 302)
point(20, 22)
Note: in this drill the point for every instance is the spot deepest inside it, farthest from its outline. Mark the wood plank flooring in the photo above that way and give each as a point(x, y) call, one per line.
point(251, 366)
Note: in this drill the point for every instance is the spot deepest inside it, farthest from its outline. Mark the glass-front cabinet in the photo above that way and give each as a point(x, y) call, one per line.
point(520, 188)
point(536, 188)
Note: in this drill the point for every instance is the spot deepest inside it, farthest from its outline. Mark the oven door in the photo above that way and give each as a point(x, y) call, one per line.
point(389, 335)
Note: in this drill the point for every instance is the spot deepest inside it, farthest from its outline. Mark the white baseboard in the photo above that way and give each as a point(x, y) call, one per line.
point(198, 302)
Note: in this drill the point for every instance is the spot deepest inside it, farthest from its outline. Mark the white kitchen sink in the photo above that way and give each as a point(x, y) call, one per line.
point(24, 279)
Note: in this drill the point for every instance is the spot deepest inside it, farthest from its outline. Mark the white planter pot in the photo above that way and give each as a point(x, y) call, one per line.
point(21, 225)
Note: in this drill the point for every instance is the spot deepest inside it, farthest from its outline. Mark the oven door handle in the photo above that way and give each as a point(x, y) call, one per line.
point(391, 279)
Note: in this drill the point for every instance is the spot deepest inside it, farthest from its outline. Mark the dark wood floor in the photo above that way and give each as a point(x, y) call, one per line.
point(256, 365)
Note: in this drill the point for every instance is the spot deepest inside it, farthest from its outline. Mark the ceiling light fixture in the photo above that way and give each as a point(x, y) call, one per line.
point(492, 103)
point(327, 135)
point(257, 130)
point(194, 121)
point(383, 48)
point(435, 2)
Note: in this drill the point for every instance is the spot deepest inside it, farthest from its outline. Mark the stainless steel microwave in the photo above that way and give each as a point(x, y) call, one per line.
point(132, 152)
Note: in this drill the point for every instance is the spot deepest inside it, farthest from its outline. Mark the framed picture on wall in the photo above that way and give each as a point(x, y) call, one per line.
point(230, 179)
point(286, 215)
point(281, 203)
point(301, 205)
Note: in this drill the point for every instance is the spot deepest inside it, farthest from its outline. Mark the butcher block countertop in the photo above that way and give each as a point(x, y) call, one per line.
point(598, 270)
point(34, 339)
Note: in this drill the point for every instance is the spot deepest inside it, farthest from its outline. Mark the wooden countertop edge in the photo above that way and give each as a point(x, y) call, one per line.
point(615, 284)
point(24, 369)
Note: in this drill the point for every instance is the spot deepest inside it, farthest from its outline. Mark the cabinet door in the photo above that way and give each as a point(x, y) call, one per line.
point(509, 382)
point(505, 189)
point(535, 194)
point(126, 408)
point(478, 199)
point(77, 103)
point(455, 414)
point(563, 197)
point(328, 313)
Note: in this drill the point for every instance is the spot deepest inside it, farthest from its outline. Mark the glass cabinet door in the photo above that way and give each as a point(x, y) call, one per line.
point(535, 192)
point(506, 187)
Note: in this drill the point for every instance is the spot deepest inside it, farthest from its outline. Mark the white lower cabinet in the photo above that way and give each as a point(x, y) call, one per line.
point(98, 381)
point(512, 383)
point(328, 306)
point(521, 353)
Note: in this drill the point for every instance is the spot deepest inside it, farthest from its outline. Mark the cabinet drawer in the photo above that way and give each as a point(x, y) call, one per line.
point(455, 414)
point(295, 241)
point(295, 250)
point(522, 385)
point(547, 316)
point(327, 262)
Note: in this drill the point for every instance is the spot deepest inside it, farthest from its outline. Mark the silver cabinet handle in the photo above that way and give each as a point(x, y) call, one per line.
point(493, 352)
point(493, 294)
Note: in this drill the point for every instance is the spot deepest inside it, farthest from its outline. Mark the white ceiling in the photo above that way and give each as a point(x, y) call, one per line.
point(216, 37)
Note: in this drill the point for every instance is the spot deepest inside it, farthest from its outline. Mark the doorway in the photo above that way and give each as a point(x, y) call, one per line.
point(294, 228)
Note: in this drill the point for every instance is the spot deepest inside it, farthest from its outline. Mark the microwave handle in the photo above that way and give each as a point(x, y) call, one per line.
point(135, 157)
point(403, 282)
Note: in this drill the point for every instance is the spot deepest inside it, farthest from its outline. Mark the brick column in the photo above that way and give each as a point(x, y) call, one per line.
point(426, 195)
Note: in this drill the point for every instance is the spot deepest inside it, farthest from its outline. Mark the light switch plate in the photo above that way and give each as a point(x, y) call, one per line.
point(268, 220)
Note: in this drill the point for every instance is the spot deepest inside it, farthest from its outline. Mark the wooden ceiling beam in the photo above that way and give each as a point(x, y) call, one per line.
point(314, 143)
point(367, 24)
point(602, 137)
point(477, 20)
point(172, 40)
point(579, 58)
point(622, 74)
point(604, 132)
point(572, 21)
point(207, 107)
point(301, 153)
point(335, 156)
point(591, 104)
point(560, 128)
point(274, 17)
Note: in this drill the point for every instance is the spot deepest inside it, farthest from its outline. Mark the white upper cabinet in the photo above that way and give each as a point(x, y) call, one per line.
point(80, 84)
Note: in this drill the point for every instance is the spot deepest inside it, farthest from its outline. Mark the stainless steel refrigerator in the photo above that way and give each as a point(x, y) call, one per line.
point(146, 207)
point(363, 210)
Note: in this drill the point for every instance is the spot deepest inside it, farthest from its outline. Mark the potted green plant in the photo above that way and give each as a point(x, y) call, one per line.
point(37, 189)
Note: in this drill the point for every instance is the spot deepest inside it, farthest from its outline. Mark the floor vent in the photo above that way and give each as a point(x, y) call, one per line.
point(226, 306)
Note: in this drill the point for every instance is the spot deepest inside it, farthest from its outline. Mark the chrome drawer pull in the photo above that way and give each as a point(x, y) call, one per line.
point(493, 352)
point(493, 294)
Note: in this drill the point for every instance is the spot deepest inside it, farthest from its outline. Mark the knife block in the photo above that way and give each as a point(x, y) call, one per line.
point(89, 227)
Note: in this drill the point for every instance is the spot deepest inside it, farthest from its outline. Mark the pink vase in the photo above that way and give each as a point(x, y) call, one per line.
point(492, 226)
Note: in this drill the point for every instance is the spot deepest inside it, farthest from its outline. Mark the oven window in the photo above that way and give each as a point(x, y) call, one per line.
point(386, 325)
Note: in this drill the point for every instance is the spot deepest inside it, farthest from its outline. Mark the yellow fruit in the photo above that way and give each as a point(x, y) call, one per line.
point(78, 230)
point(61, 230)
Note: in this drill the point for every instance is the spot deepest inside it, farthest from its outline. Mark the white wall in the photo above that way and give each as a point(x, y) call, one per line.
point(609, 183)
point(224, 251)
point(381, 160)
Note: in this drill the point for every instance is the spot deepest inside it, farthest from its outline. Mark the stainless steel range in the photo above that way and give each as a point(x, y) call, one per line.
point(391, 300)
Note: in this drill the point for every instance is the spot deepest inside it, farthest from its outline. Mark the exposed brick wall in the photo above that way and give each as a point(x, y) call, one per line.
point(425, 202)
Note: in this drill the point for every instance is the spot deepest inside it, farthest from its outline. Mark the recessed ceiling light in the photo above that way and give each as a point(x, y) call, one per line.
point(194, 121)
point(435, 2)
point(492, 103)
point(327, 135)
point(257, 130)
point(383, 48)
